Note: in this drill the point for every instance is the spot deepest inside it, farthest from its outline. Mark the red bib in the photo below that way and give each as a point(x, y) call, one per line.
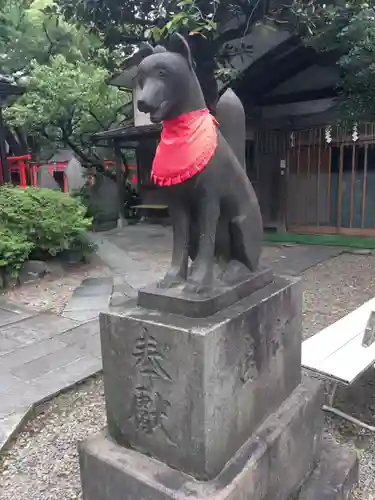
point(187, 145)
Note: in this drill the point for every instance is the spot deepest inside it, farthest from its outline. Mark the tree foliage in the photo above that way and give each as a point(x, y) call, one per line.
point(65, 69)
point(343, 27)
point(348, 31)
point(28, 33)
point(210, 24)
point(66, 103)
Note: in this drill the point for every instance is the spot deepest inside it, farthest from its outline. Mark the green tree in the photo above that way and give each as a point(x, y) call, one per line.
point(210, 24)
point(65, 70)
point(347, 30)
point(65, 104)
point(28, 33)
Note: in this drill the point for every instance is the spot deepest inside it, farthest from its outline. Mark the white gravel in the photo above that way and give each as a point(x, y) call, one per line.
point(42, 463)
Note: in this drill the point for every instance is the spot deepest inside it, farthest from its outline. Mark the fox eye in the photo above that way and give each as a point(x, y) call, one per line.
point(162, 73)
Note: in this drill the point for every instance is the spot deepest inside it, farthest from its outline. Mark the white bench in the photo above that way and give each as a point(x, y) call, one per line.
point(338, 353)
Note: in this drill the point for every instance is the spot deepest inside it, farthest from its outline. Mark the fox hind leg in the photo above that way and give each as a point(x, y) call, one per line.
point(246, 237)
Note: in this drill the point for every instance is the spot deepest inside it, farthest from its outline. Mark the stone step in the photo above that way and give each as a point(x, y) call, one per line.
point(334, 476)
point(271, 465)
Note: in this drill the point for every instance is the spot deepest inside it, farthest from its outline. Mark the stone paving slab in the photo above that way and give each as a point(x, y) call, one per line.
point(89, 286)
point(10, 425)
point(114, 256)
point(29, 353)
point(96, 295)
point(48, 363)
point(16, 402)
point(46, 387)
point(31, 330)
point(9, 383)
point(82, 315)
point(121, 285)
point(18, 333)
point(85, 336)
point(11, 313)
point(294, 260)
point(40, 356)
point(89, 299)
point(141, 255)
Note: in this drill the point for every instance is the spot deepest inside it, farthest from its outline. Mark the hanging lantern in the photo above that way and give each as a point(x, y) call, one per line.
point(355, 135)
point(328, 134)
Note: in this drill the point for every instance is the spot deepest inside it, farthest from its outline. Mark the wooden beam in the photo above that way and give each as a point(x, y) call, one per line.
point(261, 65)
point(254, 87)
point(302, 96)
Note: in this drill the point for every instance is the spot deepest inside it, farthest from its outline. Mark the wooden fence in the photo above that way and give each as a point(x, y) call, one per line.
point(328, 184)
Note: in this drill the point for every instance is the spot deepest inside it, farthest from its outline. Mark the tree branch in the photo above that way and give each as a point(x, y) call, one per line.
point(51, 42)
point(138, 21)
point(127, 39)
point(45, 135)
point(97, 119)
point(232, 34)
point(86, 161)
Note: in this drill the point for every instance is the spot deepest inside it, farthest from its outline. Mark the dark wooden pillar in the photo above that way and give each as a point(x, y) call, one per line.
point(120, 181)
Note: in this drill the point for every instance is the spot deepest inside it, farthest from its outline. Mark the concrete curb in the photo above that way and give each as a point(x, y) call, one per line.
point(17, 426)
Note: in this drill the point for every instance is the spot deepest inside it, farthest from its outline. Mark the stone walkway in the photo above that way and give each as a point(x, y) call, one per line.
point(142, 253)
point(40, 355)
point(43, 354)
point(89, 299)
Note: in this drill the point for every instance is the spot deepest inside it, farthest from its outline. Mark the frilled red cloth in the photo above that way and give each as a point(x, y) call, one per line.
point(187, 145)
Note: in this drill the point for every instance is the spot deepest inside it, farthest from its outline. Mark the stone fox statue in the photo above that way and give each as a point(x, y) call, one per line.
point(212, 204)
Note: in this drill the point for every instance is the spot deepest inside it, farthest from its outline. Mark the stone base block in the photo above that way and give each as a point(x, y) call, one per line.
point(272, 465)
point(191, 391)
point(335, 475)
point(176, 301)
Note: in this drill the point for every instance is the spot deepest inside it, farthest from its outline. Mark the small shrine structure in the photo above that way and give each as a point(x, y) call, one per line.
point(137, 134)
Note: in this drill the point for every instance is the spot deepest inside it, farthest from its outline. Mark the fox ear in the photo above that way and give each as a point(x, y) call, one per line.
point(146, 49)
point(159, 49)
point(179, 45)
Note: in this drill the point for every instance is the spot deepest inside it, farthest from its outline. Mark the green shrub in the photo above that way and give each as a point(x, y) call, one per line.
point(42, 221)
point(14, 250)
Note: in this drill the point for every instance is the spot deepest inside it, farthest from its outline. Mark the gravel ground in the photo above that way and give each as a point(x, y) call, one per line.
point(54, 290)
point(42, 463)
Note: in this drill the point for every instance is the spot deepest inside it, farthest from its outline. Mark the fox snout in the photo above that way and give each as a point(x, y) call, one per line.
point(145, 107)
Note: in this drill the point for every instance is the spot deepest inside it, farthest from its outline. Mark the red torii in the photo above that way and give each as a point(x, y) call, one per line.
point(17, 164)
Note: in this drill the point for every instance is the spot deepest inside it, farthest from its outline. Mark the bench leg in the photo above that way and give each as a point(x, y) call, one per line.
point(331, 391)
point(329, 408)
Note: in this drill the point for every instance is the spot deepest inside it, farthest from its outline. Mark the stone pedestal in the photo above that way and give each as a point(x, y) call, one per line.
point(209, 407)
point(192, 391)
